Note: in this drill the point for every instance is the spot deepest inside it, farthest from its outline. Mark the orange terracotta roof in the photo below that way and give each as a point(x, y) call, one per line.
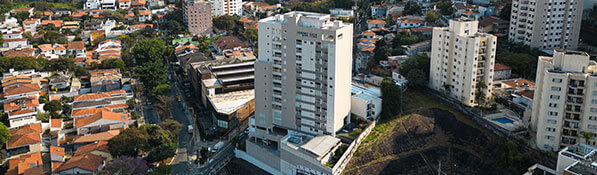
point(57, 23)
point(98, 146)
point(55, 165)
point(21, 89)
point(44, 47)
point(26, 129)
point(141, 25)
point(17, 81)
point(97, 10)
point(245, 19)
point(527, 93)
point(95, 15)
point(412, 21)
point(368, 33)
point(60, 47)
point(21, 9)
point(376, 21)
point(26, 164)
point(15, 77)
point(16, 141)
point(103, 71)
point(97, 136)
point(116, 92)
point(90, 96)
point(145, 12)
point(139, 2)
point(520, 83)
point(76, 45)
point(500, 67)
point(468, 12)
point(128, 15)
point(367, 49)
point(56, 123)
point(22, 111)
point(15, 40)
point(124, 0)
point(29, 102)
point(57, 150)
point(88, 111)
point(81, 122)
point(89, 162)
point(425, 29)
point(79, 14)
point(47, 13)
point(31, 21)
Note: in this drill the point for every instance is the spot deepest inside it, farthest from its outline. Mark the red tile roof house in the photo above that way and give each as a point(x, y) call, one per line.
point(20, 91)
point(26, 164)
point(99, 148)
point(501, 72)
point(25, 139)
point(113, 99)
point(83, 140)
point(100, 122)
point(376, 23)
point(56, 154)
point(21, 111)
point(86, 164)
point(77, 48)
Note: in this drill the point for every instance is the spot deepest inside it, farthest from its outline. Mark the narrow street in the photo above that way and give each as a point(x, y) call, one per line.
point(181, 160)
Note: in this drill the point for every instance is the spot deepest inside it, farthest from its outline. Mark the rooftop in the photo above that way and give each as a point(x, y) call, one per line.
point(21, 89)
point(227, 103)
point(89, 162)
point(97, 146)
point(319, 146)
point(105, 136)
point(81, 122)
point(26, 164)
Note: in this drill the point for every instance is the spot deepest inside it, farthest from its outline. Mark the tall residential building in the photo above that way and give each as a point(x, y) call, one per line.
point(226, 7)
point(303, 73)
point(565, 100)
point(461, 59)
point(197, 16)
point(302, 92)
point(546, 24)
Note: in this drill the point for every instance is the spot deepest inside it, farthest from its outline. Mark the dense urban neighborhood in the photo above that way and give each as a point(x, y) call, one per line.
point(298, 87)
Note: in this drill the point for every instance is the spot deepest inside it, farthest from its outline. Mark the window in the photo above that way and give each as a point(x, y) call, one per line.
point(593, 109)
point(554, 97)
point(554, 88)
point(556, 80)
point(552, 113)
point(550, 121)
point(548, 137)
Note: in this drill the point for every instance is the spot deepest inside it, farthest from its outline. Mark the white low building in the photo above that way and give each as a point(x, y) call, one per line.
point(365, 102)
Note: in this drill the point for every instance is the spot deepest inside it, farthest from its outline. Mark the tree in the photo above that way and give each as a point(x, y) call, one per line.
point(149, 50)
point(52, 37)
point(4, 118)
point(480, 91)
point(381, 50)
point(156, 135)
point(129, 142)
point(53, 107)
point(392, 95)
point(171, 125)
point(431, 16)
point(126, 166)
point(4, 134)
point(250, 34)
point(225, 22)
point(81, 71)
point(505, 12)
point(445, 8)
point(61, 64)
point(412, 8)
point(1, 39)
point(42, 6)
point(161, 152)
point(112, 15)
point(66, 109)
point(152, 73)
point(522, 64)
point(416, 78)
point(113, 63)
point(418, 62)
point(162, 89)
point(21, 16)
point(587, 135)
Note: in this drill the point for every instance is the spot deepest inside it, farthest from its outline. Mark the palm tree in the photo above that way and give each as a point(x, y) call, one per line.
point(588, 136)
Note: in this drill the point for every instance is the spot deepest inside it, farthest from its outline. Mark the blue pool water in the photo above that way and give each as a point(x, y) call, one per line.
point(503, 120)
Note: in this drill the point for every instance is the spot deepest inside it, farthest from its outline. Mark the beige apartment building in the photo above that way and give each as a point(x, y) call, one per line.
point(565, 100)
point(226, 7)
point(302, 84)
point(546, 24)
point(197, 16)
point(461, 57)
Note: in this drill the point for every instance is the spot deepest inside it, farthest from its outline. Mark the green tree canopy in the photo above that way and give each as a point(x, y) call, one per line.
point(113, 63)
point(52, 37)
point(416, 78)
point(392, 95)
point(445, 8)
point(149, 50)
point(431, 16)
point(412, 8)
point(505, 12)
point(162, 89)
point(225, 22)
point(21, 16)
point(152, 74)
point(4, 134)
point(53, 107)
point(129, 142)
point(161, 152)
point(381, 50)
point(171, 125)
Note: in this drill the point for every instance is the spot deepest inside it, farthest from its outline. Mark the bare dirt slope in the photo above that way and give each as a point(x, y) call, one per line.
point(420, 142)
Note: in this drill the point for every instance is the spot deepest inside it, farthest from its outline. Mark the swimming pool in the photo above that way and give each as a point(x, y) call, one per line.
point(503, 120)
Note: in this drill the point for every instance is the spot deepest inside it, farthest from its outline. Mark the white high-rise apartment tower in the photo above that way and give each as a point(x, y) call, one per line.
point(303, 74)
point(565, 100)
point(226, 7)
point(546, 24)
point(461, 57)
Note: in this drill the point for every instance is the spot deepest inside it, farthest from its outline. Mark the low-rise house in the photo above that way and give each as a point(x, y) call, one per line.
point(77, 48)
point(108, 4)
point(25, 139)
point(56, 125)
point(501, 72)
point(494, 24)
point(99, 148)
point(376, 23)
point(124, 4)
point(378, 10)
point(14, 43)
point(138, 4)
point(86, 164)
point(79, 15)
point(144, 15)
point(91, 4)
point(524, 97)
point(82, 140)
point(416, 48)
point(21, 111)
point(30, 25)
point(136, 27)
point(20, 52)
point(342, 12)
point(108, 49)
point(463, 7)
point(26, 164)
point(60, 82)
point(20, 91)
point(101, 122)
point(56, 154)
point(104, 80)
point(112, 99)
point(365, 101)
point(308, 153)
point(55, 23)
point(70, 25)
point(29, 10)
point(233, 48)
point(47, 51)
point(410, 23)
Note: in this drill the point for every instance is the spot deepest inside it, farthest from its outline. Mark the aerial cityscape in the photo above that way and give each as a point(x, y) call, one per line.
point(298, 87)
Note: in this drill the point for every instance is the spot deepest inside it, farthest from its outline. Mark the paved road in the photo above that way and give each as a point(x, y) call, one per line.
point(150, 115)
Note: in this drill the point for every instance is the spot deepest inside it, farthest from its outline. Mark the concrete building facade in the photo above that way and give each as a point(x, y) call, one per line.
point(546, 24)
point(198, 17)
point(564, 104)
point(226, 7)
point(461, 59)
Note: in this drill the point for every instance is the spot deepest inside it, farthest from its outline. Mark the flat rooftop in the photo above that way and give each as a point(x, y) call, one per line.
point(319, 146)
point(227, 103)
